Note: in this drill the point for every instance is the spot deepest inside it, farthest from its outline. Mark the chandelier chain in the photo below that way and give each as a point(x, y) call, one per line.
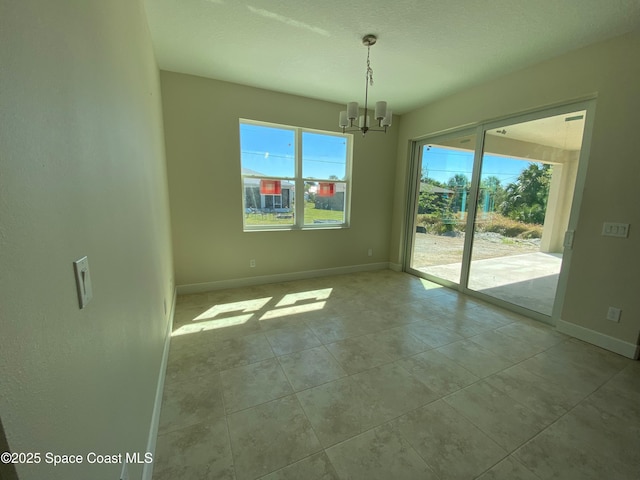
point(369, 69)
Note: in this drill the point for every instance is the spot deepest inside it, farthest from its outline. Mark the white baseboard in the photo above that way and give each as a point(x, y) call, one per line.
point(615, 345)
point(396, 267)
point(280, 277)
point(147, 471)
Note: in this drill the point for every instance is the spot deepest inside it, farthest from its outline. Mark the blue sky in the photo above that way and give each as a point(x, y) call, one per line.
point(271, 151)
point(443, 163)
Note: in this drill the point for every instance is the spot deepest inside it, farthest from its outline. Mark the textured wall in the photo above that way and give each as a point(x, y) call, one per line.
point(82, 173)
point(203, 162)
point(603, 269)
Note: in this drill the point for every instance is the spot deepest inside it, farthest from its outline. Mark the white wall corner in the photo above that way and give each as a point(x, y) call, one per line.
point(396, 267)
point(612, 344)
point(147, 471)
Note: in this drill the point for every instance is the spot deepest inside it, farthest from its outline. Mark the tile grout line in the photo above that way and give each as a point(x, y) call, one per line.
point(567, 412)
point(392, 361)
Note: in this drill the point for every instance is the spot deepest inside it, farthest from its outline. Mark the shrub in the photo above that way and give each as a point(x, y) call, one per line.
point(509, 227)
point(534, 233)
point(440, 223)
point(435, 223)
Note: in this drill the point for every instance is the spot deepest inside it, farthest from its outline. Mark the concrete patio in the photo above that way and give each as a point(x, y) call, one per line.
point(529, 280)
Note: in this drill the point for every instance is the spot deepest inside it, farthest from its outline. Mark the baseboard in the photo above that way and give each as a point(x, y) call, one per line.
point(280, 277)
point(396, 267)
point(615, 345)
point(147, 471)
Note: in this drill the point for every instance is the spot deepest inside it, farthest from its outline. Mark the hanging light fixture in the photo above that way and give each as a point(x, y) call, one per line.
point(382, 114)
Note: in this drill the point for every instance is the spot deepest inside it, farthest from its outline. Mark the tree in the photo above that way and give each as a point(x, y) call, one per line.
point(491, 183)
point(526, 199)
point(425, 178)
point(491, 193)
point(459, 183)
point(429, 201)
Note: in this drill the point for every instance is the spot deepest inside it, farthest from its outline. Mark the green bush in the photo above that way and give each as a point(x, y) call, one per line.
point(438, 224)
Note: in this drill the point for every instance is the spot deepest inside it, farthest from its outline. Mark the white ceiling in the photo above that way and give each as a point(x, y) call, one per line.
point(561, 131)
point(426, 48)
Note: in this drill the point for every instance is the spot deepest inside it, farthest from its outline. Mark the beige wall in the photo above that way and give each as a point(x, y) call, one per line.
point(556, 221)
point(563, 181)
point(203, 161)
point(82, 173)
point(603, 269)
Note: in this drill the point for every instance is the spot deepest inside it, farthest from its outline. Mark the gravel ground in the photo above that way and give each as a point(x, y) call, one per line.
point(432, 249)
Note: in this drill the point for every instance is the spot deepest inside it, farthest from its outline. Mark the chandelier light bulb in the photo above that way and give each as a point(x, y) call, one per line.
point(386, 121)
point(381, 110)
point(344, 121)
point(352, 110)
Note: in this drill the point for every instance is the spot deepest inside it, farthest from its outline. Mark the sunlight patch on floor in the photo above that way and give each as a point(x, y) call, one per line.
point(294, 310)
point(252, 305)
point(293, 298)
point(212, 324)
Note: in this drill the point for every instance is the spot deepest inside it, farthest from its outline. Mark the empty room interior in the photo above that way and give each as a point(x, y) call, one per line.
point(215, 265)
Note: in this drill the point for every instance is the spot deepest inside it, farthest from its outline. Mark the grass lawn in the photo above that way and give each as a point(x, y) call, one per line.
point(311, 214)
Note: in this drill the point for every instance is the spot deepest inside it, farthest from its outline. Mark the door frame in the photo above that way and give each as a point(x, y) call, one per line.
point(480, 129)
point(415, 178)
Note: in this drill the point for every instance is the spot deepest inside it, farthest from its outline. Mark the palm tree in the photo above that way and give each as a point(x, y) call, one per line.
point(526, 198)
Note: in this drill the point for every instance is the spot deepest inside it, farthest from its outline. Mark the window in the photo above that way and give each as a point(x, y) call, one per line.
point(294, 178)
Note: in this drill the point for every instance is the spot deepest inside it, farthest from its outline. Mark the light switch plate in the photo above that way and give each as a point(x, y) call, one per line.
point(610, 229)
point(83, 281)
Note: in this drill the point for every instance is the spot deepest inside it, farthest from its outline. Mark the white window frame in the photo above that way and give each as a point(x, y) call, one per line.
point(299, 181)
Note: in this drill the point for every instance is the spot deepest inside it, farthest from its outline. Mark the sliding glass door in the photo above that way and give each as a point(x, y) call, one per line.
point(440, 215)
point(491, 207)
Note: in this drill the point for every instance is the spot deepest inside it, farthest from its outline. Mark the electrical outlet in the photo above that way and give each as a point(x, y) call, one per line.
point(613, 314)
point(370, 252)
point(252, 263)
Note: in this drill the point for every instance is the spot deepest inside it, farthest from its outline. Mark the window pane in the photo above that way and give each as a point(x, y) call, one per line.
point(274, 158)
point(324, 156)
point(267, 151)
point(265, 205)
point(324, 203)
point(443, 205)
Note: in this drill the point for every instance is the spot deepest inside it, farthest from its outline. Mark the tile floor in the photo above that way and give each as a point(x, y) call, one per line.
point(381, 375)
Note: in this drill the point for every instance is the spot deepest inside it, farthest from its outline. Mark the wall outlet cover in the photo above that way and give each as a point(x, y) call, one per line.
point(613, 314)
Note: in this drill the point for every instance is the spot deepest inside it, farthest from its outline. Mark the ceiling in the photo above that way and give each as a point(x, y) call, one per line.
point(563, 132)
point(426, 48)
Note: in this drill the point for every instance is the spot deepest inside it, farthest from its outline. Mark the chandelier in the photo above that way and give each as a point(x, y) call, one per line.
point(382, 114)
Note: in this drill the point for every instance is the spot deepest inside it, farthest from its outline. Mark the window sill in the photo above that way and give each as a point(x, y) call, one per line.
point(306, 228)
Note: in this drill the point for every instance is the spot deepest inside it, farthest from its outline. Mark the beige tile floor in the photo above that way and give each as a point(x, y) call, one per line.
point(381, 375)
